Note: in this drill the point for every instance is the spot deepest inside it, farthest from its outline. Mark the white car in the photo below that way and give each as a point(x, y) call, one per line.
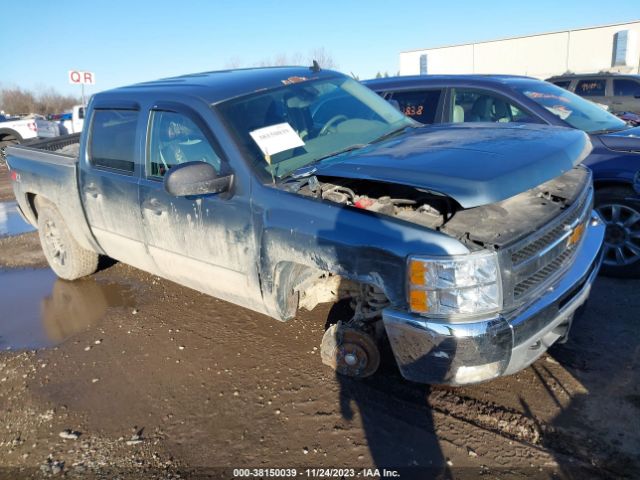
point(17, 130)
point(73, 121)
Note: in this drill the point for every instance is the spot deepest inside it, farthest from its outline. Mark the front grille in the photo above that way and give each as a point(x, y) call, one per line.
point(531, 249)
point(541, 275)
point(533, 263)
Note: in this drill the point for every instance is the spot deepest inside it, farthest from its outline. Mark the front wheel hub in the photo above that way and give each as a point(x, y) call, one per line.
point(350, 351)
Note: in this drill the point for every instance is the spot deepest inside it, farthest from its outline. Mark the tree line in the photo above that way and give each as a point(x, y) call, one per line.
point(17, 101)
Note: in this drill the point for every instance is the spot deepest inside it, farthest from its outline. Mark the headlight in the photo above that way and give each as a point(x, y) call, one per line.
point(464, 285)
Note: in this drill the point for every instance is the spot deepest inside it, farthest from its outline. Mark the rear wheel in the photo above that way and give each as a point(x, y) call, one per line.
point(67, 259)
point(622, 237)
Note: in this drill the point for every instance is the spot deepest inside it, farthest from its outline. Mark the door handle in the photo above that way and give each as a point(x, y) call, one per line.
point(154, 206)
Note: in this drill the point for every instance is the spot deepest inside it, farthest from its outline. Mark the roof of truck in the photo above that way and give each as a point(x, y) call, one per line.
point(220, 85)
point(418, 80)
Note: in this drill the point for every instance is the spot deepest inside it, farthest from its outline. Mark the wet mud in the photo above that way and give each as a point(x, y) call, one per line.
point(164, 382)
point(41, 310)
point(11, 223)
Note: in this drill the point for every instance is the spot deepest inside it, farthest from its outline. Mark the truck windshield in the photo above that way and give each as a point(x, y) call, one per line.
point(574, 110)
point(298, 124)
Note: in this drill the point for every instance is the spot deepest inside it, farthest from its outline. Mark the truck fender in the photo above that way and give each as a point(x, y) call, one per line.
point(5, 132)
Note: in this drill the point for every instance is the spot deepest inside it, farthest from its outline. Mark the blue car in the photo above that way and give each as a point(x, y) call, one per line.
point(615, 159)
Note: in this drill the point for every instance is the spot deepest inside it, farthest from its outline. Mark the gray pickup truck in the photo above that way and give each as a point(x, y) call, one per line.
point(468, 247)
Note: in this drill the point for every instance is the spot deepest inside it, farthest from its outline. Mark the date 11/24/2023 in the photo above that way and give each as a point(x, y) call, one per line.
point(315, 473)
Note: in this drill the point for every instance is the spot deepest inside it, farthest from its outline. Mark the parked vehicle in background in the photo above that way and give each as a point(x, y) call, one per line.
point(280, 188)
point(620, 92)
point(16, 130)
point(631, 118)
point(615, 159)
point(73, 121)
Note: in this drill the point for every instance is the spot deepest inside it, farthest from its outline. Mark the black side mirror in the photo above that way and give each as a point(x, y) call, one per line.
point(195, 178)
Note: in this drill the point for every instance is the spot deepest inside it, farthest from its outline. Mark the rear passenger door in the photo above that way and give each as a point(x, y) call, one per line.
point(425, 106)
point(479, 105)
point(205, 242)
point(109, 176)
point(594, 89)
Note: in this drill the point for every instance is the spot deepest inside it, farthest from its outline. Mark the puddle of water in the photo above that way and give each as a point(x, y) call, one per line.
point(11, 223)
point(38, 310)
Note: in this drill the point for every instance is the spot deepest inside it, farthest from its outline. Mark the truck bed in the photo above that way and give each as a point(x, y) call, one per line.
point(58, 150)
point(48, 169)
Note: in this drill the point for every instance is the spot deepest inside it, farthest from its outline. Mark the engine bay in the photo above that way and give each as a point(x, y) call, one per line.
point(488, 226)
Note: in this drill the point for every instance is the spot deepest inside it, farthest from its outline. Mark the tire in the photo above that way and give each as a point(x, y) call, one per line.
point(66, 258)
point(622, 237)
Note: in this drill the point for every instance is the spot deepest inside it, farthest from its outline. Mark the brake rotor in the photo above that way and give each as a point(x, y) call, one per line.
point(350, 351)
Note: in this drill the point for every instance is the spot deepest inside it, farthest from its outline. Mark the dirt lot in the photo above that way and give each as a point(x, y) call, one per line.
point(6, 193)
point(158, 381)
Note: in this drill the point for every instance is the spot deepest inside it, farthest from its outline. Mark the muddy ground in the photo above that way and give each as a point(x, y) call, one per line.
point(148, 379)
point(6, 193)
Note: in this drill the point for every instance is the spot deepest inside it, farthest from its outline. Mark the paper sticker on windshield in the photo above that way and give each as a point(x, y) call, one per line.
point(276, 138)
point(560, 110)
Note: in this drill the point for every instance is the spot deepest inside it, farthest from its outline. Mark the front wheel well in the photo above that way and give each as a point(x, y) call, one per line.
point(602, 184)
point(300, 286)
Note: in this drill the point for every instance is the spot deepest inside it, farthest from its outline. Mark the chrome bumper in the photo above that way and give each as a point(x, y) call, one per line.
point(437, 352)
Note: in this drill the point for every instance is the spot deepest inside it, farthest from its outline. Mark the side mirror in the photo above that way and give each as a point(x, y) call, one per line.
point(195, 178)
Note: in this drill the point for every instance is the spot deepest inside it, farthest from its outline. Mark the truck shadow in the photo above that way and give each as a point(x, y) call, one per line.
point(595, 435)
point(400, 434)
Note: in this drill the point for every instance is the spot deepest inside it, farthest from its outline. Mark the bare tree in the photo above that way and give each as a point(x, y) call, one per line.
point(324, 58)
point(16, 100)
point(19, 101)
point(234, 62)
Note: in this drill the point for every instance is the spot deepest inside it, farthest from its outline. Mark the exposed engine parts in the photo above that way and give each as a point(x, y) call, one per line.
point(488, 226)
point(410, 204)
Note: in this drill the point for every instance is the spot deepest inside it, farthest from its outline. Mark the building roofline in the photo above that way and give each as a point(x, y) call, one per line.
point(502, 39)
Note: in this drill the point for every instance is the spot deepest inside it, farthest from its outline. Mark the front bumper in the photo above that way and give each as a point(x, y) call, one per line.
point(438, 352)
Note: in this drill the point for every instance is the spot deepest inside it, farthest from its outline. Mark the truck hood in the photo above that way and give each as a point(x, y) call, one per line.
point(627, 140)
point(475, 164)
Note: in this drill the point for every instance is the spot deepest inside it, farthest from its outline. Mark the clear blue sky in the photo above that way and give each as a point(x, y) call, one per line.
point(129, 41)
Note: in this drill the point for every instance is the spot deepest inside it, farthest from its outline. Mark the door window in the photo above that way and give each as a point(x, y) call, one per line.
point(112, 139)
point(562, 83)
point(174, 139)
point(591, 88)
point(479, 106)
point(625, 88)
point(421, 106)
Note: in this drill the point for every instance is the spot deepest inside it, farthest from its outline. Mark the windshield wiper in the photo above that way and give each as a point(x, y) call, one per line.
point(310, 168)
point(355, 146)
point(393, 133)
point(609, 130)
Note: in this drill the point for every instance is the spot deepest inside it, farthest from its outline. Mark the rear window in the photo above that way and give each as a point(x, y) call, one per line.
point(420, 106)
point(625, 88)
point(112, 140)
point(591, 88)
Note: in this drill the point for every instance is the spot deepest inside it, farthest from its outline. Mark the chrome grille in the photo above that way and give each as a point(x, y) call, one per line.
point(541, 275)
point(531, 249)
point(532, 264)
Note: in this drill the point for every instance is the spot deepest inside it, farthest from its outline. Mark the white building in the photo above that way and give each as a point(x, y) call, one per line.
point(614, 48)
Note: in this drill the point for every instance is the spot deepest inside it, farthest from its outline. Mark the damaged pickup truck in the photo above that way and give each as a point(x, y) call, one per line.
point(470, 247)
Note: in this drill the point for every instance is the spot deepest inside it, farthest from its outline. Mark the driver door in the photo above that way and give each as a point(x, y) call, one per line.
point(204, 242)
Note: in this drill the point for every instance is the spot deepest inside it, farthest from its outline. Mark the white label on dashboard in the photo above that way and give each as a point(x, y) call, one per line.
point(276, 138)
